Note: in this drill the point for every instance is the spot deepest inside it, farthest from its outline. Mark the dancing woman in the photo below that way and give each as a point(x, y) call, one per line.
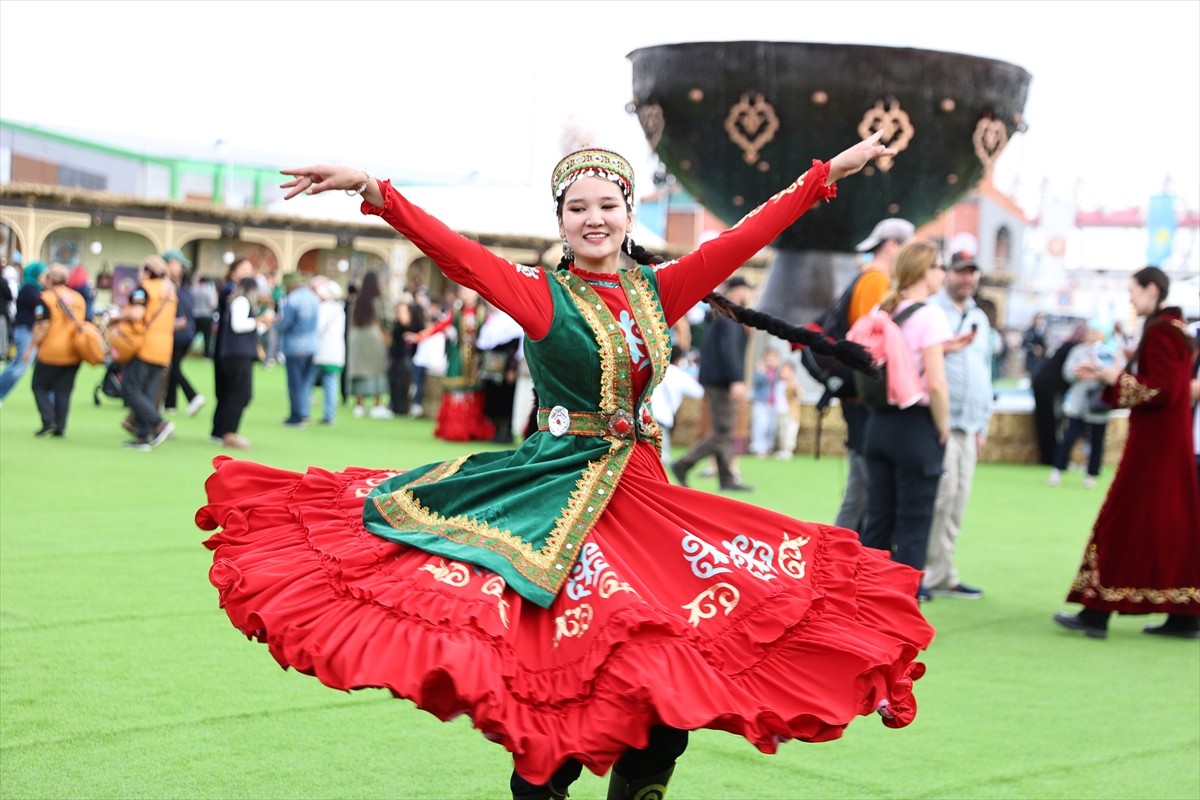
point(582, 610)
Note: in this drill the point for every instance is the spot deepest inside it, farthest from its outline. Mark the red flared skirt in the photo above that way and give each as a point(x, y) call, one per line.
point(460, 418)
point(742, 620)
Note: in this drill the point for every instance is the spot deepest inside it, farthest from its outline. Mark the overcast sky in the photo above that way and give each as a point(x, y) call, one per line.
point(486, 87)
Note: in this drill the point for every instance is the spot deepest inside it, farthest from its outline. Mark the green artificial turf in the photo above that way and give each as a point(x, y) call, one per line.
point(120, 677)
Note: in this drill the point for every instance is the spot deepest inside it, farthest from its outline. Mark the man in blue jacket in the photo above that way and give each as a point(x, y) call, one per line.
point(298, 343)
point(723, 376)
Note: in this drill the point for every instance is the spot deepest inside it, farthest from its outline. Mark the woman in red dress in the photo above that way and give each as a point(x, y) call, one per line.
point(1144, 553)
point(460, 416)
point(582, 610)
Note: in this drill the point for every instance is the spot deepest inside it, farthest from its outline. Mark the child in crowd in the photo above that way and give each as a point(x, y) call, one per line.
point(1085, 417)
point(763, 419)
point(787, 410)
point(677, 383)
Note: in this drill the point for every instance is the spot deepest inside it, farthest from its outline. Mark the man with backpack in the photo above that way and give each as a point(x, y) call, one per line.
point(865, 293)
point(151, 312)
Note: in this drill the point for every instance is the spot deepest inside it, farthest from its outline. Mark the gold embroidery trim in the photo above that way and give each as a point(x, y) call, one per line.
point(796, 185)
point(548, 567)
point(1087, 583)
point(404, 503)
point(593, 309)
point(1132, 393)
point(651, 319)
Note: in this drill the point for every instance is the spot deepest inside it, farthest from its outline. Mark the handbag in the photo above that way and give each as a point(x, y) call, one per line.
point(88, 341)
point(126, 337)
point(125, 341)
point(1096, 404)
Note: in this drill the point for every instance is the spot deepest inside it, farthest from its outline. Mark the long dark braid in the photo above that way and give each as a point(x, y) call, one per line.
point(851, 354)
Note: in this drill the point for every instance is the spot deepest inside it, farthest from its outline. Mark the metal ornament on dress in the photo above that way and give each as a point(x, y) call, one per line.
point(559, 421)
point(621, 424)
point(645, 421)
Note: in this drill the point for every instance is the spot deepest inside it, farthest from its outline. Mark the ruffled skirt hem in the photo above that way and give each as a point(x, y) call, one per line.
point(296, 569)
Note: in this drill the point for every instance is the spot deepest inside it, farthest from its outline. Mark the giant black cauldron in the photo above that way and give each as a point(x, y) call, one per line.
point(735, 122)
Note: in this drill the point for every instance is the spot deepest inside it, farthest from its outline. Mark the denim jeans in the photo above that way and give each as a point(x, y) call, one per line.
point(330, 382)
point(1078, 429)
point(300, 377)
point(22, 336)
point(853, 511)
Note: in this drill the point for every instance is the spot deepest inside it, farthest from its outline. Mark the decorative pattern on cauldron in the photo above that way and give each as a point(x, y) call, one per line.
point(990, 139)
point(896, 126)
point(751, 125)
point(735, 121)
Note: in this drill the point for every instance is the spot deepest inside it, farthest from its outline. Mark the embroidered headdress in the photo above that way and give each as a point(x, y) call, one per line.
point(593, 163)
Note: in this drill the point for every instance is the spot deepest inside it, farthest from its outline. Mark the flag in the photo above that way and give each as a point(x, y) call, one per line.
point(1160, 226)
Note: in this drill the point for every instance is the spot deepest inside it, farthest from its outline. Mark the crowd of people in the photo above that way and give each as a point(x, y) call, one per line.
point(356, 345)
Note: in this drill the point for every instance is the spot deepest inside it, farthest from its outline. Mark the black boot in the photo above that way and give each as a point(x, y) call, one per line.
point(1177, 625)
point(545, 793)
point(651, 787)
point(564, 776)
point(1093, 624)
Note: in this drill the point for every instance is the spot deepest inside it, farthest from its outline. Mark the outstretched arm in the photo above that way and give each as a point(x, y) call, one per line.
point(685, 282)
point(323, 178)
point(520, 291)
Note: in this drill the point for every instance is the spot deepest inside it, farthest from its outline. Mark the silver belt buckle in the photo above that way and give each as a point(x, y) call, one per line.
point(558, 421)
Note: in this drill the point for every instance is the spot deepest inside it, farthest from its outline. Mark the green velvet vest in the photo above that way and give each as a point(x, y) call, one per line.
point(525, 513)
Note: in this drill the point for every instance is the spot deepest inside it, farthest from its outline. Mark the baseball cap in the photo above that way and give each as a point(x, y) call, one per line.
point(963, 261)
point(155, 265)
point(293, 279)
point(736, 281)
point(891, 228)
point(177, 255)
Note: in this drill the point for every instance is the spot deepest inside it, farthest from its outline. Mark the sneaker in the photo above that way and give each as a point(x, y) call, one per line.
point(327, 422)
point(924, 595)
point(165, 429)
point(961, 591)
point(141, 445)
point(45, 430)
point(737, 487)
point(296, 423)
point(1055, 478)
point(127, 424)
point(236, 441)
point(1089, 482)
point(169, 412)
point(381, 412)
point(216, 439)
point(359, 411)
point(195, 405)
point(415, 411)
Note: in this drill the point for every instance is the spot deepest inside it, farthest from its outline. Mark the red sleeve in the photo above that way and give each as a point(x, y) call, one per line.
point(1163, 370)
point(685, 282)
point(436, 327)
point(521, 291)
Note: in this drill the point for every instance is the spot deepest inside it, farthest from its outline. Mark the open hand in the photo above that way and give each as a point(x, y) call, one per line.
point(321, 178)
point(958, 342)
point(852, 159)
